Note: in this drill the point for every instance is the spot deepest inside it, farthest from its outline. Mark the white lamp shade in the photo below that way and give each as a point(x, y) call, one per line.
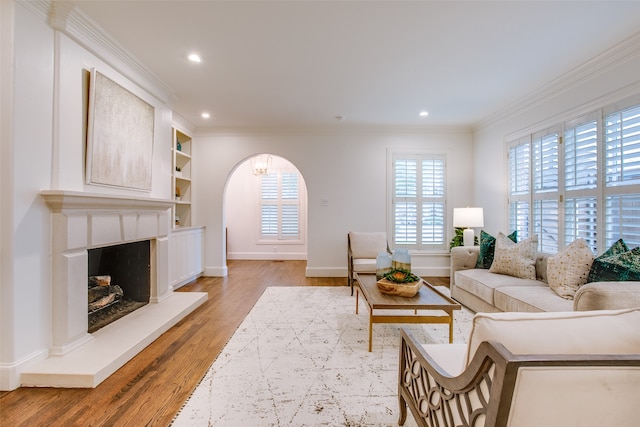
point(468, 217)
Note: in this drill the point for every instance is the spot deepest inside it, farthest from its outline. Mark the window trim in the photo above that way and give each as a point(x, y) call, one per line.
point(417, 248)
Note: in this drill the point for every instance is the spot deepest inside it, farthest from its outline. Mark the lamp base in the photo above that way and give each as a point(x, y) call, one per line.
point(468, 237)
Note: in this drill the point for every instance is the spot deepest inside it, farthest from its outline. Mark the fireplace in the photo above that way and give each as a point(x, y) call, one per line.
point(80, 224)
point(119, 282)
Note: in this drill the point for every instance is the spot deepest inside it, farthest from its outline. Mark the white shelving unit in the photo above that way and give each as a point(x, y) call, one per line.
point(181, 178)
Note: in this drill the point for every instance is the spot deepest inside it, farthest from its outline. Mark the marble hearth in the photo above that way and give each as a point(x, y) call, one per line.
point(82, 221)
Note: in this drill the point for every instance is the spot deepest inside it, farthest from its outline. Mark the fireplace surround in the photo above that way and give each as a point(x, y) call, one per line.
point(82, 221)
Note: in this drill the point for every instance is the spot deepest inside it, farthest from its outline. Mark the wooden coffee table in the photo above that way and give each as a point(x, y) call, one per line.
point(427, 298)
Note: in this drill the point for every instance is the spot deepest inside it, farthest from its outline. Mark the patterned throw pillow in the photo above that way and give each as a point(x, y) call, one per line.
point(621, 267)
point(488, 247)
point(515, 259)
point(569, 269)
point(616, 249)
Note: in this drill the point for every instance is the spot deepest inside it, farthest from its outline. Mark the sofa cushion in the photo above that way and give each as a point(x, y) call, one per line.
point(583, 332)
point(450, 357)
point(569, 268)
point(488, 247)
point(541, 266)
point(622, 267)
point(482, 283)
point(364, 265)
point(530, 299)
point(619, 247)
point(515, 259)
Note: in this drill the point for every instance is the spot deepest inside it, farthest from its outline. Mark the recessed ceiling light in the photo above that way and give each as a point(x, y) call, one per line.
point(424, 113)
point(194, 57)
point(205, 115)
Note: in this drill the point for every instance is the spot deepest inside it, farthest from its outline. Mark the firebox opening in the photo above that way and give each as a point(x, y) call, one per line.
point(119, 282)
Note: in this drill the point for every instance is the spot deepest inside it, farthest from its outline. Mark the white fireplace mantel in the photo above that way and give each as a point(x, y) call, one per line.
point(59, 201)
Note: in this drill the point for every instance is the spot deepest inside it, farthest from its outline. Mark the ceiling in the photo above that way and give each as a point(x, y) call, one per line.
point(303, 63)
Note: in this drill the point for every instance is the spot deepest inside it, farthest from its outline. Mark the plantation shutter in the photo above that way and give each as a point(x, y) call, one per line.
point(622, 165)
point(269, 206)
point(519, 177)
point(290, 206)
point(432, 201)
point(580, 182)
point(545, 191)
point(405, 202)
point(279, 206)
point(622, 130)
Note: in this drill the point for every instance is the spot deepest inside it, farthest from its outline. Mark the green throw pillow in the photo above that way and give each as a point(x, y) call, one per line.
point(617, 263)
point(488, 248)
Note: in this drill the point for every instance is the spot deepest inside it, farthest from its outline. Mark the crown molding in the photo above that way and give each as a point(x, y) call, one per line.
point(583, 109)
point(607, 60)
point(65, 17)
point(333, 130)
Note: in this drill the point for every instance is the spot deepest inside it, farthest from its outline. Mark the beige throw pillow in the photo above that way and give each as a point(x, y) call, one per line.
point(569, 269)
point(515, 259)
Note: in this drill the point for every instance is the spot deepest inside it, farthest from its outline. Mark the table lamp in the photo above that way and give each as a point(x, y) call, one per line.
point(467, 218)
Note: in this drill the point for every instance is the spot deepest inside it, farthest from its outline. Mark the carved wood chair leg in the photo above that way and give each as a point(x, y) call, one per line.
point(403, 410)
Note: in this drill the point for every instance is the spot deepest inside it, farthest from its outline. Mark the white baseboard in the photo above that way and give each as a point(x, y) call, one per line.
point(336, 271)
point(10, 372)
point(326, 272)
point(266, 256)
point(215, 271)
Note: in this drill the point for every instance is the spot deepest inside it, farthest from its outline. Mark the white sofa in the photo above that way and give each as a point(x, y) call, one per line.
point(483, 291)
point(563, 369)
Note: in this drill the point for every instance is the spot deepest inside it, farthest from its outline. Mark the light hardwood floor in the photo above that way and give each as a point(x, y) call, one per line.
point(151, 388)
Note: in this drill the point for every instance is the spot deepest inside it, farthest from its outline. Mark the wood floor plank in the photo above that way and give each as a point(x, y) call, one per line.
point(151, 388)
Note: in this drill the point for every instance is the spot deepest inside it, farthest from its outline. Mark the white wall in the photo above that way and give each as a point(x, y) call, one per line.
point(46, 144)
point(613, 76)
point(346, 166)
point(243, 217)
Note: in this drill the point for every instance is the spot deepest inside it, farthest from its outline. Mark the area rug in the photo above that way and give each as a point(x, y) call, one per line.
point(300, 358)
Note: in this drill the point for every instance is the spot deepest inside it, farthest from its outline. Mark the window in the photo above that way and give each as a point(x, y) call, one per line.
point(579, 180)
point(418, 201)
point(280, 206)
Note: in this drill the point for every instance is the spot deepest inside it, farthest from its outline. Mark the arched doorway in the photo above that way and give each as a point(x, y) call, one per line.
point(266, 214)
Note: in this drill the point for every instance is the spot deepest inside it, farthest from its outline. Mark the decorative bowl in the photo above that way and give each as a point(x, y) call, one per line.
point(409, 289)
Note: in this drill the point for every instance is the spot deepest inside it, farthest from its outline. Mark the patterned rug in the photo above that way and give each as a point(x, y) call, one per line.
point(300, 359)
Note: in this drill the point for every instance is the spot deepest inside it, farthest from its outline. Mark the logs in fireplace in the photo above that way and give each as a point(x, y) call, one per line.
point(107, 302)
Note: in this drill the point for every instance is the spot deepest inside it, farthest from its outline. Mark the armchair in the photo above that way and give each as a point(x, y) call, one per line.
point(525, 370)
point(362, 250)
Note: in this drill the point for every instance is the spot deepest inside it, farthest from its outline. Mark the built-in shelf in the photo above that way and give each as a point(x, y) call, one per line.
point(181, 178)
